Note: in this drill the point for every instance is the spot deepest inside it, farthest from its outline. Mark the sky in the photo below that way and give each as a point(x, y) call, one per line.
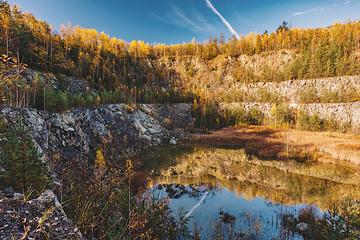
point(178, 21)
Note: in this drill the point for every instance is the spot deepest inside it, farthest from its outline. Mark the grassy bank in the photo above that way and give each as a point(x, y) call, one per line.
point(302, 146)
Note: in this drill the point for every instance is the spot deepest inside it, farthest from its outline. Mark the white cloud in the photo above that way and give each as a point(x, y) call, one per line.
point(193, 21)
point(314, 10)
point(319, 10)
point(305, 12)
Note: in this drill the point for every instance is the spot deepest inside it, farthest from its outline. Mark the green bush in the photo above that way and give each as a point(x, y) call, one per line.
point(330, 96)
point(236, 116)
point(23, 168)
point(283, 115)
point(309, 96)
point(255, 117)
point(57, 101)
point(303, 121)
point(316, 123)
point(330, 124)
point(264, 96)
point(340, 222)
point(90, 100)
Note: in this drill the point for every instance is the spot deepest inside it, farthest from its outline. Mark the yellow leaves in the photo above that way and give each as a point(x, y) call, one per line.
point(129, 166)
point(133, 47)
point(100, 163)
point(273, 109)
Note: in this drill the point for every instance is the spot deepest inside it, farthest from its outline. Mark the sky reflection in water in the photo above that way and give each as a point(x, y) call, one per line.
point(267, 195)
point(221, 199)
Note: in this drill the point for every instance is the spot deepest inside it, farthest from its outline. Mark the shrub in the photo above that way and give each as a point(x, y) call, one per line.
point(330, 124)
point(282, 115)
point(303, 121)
point(308, 215)
point(105, 200)
point(23, 168)
point(128, 109)
point(57, 101)
point(329, 96)
point(316, 123)
point(236, 116)
point(255, 117)
point(340, 222)
point(264, 96)
point(309, 96)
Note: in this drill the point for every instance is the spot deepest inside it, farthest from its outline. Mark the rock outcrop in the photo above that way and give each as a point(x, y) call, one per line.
point(130, 129)
point(343, 113)
point(292, 90)
point(40, 218)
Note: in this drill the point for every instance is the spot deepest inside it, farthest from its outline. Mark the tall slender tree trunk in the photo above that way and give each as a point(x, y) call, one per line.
point(44, 97)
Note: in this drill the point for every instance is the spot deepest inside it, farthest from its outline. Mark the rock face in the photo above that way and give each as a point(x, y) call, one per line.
point(133, 129)
point(71, 134)
point(41, 218)
point(60, 82)
point(292, 90)
point(344, 113)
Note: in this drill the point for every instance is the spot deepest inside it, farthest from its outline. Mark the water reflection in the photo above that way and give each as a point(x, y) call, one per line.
point(219, 181)
point(208, 204)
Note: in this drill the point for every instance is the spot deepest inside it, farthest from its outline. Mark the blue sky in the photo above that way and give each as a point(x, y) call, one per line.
point(177, 21)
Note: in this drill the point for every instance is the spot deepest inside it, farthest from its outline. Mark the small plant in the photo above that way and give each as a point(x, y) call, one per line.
point(214, 68)
point(308, 215)
point(250, 152)
point(316, 123)
point(128, 109)
point(309, 96)
point(255, 117)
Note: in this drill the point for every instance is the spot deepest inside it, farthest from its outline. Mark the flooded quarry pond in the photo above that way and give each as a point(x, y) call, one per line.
point(227, 192)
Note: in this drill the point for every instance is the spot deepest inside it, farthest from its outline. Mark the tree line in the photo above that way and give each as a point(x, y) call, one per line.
point(108, 63)
point(139, 72)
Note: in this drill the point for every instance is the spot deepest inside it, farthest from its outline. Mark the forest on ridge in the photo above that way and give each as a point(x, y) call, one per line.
point(203, 73)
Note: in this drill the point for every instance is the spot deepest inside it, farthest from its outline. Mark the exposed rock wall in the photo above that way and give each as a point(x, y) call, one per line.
point(343, 113)
point(131, 129)
point(134, 129)
point(292, 89)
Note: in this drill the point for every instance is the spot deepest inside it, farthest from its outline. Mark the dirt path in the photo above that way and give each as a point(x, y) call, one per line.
point(303, 146)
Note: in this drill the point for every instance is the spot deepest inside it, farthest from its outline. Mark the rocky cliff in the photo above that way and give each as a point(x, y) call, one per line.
point(128, 129)
point(134, 129)
point(292, 90)
point(343, 113)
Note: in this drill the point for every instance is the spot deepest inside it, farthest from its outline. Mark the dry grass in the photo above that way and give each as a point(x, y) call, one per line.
point(329, 147)
point(258, 138)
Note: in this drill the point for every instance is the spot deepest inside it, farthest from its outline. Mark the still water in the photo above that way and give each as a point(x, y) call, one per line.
point(214, 183)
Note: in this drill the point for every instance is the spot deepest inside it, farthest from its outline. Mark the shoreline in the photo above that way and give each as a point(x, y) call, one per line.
point(282, 144)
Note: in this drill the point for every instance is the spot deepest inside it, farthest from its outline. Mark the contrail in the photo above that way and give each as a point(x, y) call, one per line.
point(198, 204)
point(222, 19)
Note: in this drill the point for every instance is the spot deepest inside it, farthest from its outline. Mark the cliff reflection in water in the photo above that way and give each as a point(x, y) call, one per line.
point(287, 183)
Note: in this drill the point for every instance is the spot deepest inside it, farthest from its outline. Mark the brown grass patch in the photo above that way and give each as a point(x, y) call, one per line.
point(255, 138)
point(280, 143)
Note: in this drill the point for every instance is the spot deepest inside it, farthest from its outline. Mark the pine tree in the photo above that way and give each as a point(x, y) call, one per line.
point(20, 163)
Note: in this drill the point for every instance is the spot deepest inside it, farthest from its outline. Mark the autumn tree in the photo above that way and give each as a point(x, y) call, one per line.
point(283, 26)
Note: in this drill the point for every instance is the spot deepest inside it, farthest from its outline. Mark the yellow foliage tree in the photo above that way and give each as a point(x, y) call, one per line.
point(100, 167)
